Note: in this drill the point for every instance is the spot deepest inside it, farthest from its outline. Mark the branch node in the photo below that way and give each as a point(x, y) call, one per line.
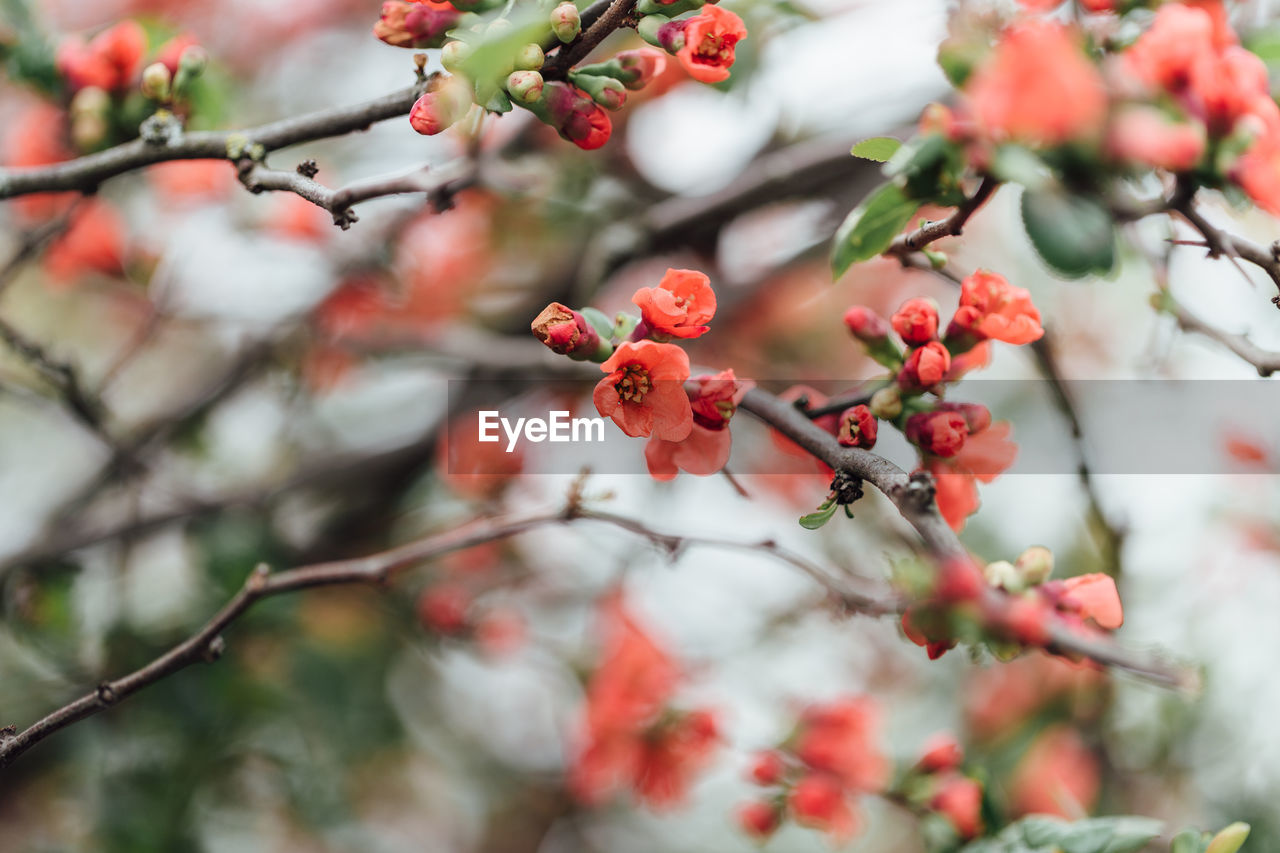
point(308, 168)
point(8, 732)
point(107, 694)
point(257, 578)
point(214, 649)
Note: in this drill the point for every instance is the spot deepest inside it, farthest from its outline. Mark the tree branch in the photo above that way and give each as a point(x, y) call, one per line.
point(578, 50)
point(84, 174)
point(206, 645)
point(438, 184)
point(951, 226)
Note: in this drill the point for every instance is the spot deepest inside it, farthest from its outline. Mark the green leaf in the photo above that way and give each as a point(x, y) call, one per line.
point(1229, 840)
point(877, 148)
point(871, 226)
point(816, 519)
point(1074, 235)
point(1189, 841)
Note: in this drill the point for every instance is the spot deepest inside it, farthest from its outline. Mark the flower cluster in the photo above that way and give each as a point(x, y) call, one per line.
point(630, 735)
point(957, 605)
point(648, 391)
point(937, 783)
point(496, 64)
point(816, 776)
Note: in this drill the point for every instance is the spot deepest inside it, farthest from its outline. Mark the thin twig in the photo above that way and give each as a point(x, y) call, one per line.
point(950, 226)
point(578, 50)
point(84, 174)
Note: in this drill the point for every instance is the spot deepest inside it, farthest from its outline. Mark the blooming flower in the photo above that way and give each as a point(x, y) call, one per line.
point(644, 391)
point(1144, 136)
point(709, 39)
point(818, 800)
point(1058, 775)
point(1094, 596)
point(985, 455)
point(959, 799)
point(713, 401)
point(759, 818)
point(630, 737)
point(679, 307)
point(93, 242)
point(990, 307)
point(839, 738)
point(110, 61)
point(1165, 53)
point(1038, 87)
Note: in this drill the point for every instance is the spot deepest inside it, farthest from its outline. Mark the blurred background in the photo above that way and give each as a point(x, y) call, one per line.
point(264, 387)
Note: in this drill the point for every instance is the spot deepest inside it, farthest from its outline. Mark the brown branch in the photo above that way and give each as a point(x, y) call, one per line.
point(951, 226)
point(438, 184)
point(1266, 362)
point(914, 498)
point(207, 645)
point(1221, 244)
point(84, 174)
point(86, 408)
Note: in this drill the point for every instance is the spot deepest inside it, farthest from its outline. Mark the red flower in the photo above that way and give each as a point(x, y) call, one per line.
point(985, 455)
point(768, 767)
point(630, 738)
point(1058, 775)
point(1144, 136)
point(1257, 171)
point(818, 800)
point(1165, 53)
point(926, 628)
point(942, 752)
point(839, 738)
point(36, 136)
point(938, 433)
point(959, 799)
point(1227, 86)
point(857, 428)
point(443, 608)
point(644, 391)
point(93, 242)
point(1094, 596)
point(925, 367)
point(709, 39)
point(111, 61)
point(990, 307)
point(575, 115)
point(916, 322)
point(679, 306)
point(417, 24)
point(713, 401)
point(759, 819)
point(475, 468)
point(1038, 87)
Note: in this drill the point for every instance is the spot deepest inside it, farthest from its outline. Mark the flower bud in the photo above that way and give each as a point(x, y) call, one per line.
point(857, 428)
point(530, 57)
point(866, 325)
point(925, 367)
point(916, 322)
point(193, 61)
point(1229, 840)
point(566, 332)
point(155, 82)
point(937, 433)
point(1035, 565)
point(886, 403)
point(436, 110)
point(566, 23)
point(525, 86)
point(767, 767)
point(605, 91)
point(941, 753)
point(90, 101)
point(759, 819)
point(443, 608)
point(453, 54)
point(639, 67)
point(88, 130)
point(415, 25)
point(1003, 575)
point(959, 799)
point(977, 417)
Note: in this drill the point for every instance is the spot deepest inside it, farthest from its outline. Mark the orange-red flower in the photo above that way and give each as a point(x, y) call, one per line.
point(93, 242)
point(36, 136)
point(990, 307)
point(985, 455)
point(1094, 596)
point(415, 23)
point(1058, 775)
point(644, 390)
point(1165, 53)
point(679, 307)
point(959, 799)
point(1145, 136)
point(630, 737)
point(857, 427)
point(1038, 87)
point(713, 401)
point(110, 61)
point(840, 738)
point(938, 433)
point(709, 40)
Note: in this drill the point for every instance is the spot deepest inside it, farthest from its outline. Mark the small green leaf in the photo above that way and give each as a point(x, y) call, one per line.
point(1189, 841)
point(821, 516)
point(877, 148)
point(1074, 235)
point(871, 226)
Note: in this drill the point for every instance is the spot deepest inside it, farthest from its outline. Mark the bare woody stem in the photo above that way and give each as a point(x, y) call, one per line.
point(578, 50)
point(84, 174)
point(950, 226)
